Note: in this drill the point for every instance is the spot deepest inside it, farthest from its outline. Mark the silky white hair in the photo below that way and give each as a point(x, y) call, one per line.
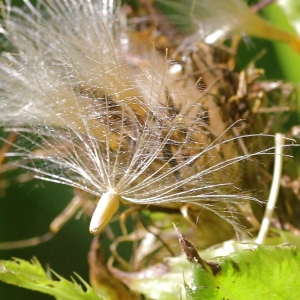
point(91, 117)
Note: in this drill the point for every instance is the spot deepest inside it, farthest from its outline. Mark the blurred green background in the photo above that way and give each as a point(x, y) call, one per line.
point(26, 209)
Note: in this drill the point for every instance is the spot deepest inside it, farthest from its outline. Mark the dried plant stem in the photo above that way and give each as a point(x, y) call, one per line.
point(26, 243)
point(279, 142)
point(70, 210)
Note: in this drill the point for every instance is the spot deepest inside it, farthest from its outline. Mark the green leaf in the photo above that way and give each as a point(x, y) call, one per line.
point(166, 281)
point(286, 56)
point(163, 281)
point(268, 272)
point(292, 11)
point(31, 275)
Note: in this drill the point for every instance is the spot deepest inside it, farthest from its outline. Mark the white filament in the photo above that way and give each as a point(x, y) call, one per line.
point(279, 142)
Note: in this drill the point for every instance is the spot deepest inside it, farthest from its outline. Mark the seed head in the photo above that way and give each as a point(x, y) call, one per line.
point(92, 117)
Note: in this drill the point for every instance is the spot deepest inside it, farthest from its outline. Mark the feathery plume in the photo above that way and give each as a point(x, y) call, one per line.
point(102, 114)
